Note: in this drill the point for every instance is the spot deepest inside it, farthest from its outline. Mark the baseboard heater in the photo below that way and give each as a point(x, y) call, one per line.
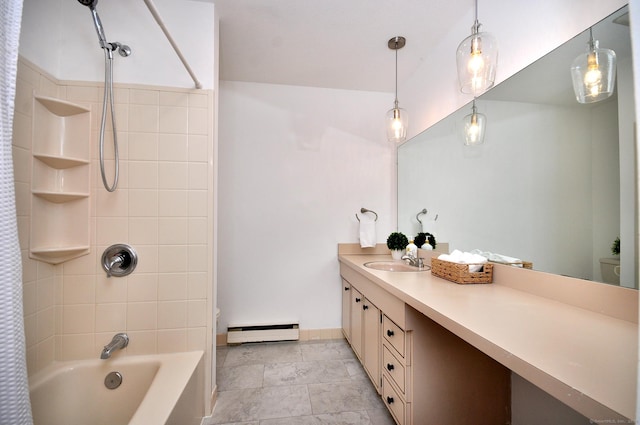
point(263, 333)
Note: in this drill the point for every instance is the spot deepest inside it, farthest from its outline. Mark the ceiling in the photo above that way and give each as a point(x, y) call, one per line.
point(339, 44)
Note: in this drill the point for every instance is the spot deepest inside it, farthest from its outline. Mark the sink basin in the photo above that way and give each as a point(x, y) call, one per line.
point(394, 266)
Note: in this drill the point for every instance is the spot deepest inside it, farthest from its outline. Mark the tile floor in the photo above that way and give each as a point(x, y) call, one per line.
point(295, 383)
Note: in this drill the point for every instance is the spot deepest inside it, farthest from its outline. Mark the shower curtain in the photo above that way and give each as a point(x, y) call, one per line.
point(15, 407)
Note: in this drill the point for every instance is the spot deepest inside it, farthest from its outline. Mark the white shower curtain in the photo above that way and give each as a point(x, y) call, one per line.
point(15, 408)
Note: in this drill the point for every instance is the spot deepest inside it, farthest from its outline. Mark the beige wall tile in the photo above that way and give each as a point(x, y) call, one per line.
point(142, 342)
point(198, 148)
point(172, 314)
point(172, 230)
point(22, 130)
point(143, 96)
point(84, 94)
point(197, 203)
point(142, 287)
point(173, 119)
point(197, 284)
point(112, 204)
point(173, 175)
point(197, 339)
point(143, 175)
point(79, 289)
point(196, 313)
point(143, 146)
point(172, 98)
point(31, 330)
point(143, 203)
point(197, 230)
point(78, 319)
point(172, 340)
point(85, 265)
point(143, 118)
point(172, 286)
point(111, 289)
point(111, 230)
point(198, 100)
point(142, 316)
point(45, 353)
point(29, 298)
point(198, 176)
point(143, 230)
point(172, 258)
point(76, 346)
point(173, 147)
point(45, 293)
point(198, 121)
point(172, 203)
point(21, 164)
point(147, 258)
point(197, 258)
point(111, 317)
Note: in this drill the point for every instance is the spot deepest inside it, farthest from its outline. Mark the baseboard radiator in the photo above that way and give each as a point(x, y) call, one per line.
point(263, 333)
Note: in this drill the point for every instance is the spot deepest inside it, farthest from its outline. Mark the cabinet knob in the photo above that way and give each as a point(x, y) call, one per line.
point(365, 307)
point(389, 400)
point(389, 332)
point(346, 288)
point(358, 300)
point(390, 367)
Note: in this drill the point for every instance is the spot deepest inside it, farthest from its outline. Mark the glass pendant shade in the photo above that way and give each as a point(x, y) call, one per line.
point(397, 121)
point(473, 127)
point(594, 74)
point(477, 60)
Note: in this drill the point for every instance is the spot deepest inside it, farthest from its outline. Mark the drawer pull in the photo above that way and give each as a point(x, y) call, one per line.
point(389, 400)
point(390, 367)
point(389, 332)
point(365, 307)
point(346, 288)
point(358, 300)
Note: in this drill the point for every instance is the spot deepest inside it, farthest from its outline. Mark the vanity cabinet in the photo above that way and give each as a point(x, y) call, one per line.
point(426, 374)
point(363, 326)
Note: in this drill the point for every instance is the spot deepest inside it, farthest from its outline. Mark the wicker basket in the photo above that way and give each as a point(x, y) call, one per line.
point(459, 273)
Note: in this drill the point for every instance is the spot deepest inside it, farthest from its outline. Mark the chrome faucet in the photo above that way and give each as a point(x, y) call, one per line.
point(413, 261)
point(119, 341)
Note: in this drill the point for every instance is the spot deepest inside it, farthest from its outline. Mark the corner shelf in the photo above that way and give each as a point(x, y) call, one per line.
point(60, 180)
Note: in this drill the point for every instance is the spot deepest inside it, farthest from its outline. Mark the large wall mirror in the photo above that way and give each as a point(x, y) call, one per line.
point(552, 184)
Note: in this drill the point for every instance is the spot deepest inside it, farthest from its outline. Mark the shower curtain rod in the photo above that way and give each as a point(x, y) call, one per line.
point(156, 16)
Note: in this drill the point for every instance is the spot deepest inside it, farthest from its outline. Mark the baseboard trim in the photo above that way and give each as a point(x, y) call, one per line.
point(305, 335)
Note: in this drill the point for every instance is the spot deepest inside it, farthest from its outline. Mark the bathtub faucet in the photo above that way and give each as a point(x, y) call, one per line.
point(118, 342)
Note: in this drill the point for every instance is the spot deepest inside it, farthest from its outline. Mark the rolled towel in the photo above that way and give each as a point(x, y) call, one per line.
point(475, 261)
point(499, 258)
point(367, 232)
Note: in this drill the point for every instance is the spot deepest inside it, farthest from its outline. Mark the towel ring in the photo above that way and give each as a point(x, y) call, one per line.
point(364, 210)
point(424, 211)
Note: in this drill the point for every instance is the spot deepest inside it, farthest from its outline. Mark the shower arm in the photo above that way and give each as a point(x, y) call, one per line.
point(156, 16)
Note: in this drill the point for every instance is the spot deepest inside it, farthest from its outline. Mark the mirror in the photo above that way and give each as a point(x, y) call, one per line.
point(553, 182)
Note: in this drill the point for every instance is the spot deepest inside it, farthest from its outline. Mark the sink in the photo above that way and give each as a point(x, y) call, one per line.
point(394, 266)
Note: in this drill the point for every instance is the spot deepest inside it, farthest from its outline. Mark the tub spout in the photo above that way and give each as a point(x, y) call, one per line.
point(118, 342)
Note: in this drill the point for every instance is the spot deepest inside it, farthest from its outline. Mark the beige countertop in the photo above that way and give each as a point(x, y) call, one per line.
point(581, 356)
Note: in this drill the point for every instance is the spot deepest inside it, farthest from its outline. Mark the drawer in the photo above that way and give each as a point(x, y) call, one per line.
point(393, 401)
point(394, 334)
point(394, 368)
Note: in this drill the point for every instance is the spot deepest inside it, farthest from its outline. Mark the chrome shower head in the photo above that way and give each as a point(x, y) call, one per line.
point(90, 3)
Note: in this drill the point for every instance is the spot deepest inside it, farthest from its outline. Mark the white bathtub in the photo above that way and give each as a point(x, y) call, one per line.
point(162, 389)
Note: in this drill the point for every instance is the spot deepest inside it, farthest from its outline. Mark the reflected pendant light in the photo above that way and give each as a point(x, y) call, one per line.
point(473, 127)
point(397, 119)
point(477, 60)
point(594, 73)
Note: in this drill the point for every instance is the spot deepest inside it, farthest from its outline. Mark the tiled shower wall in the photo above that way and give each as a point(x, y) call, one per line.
point(162, 207)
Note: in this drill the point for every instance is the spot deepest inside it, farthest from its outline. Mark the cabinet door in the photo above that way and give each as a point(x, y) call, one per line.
point(356, 321)
point(346, 309)
point(372, 341)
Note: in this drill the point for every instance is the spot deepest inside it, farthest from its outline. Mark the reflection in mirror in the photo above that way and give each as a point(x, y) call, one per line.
point(553, 182)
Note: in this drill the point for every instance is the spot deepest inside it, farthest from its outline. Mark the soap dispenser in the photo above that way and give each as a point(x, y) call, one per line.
point(412, 249)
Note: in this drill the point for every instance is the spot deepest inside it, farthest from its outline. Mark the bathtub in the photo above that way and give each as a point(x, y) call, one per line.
point(161, 389)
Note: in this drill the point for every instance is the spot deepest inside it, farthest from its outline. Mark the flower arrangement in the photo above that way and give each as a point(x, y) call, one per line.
point(397, 241)
point(423, 238)
point(615, 247)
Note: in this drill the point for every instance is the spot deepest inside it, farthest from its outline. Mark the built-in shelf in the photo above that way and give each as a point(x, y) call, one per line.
point(57, 255)
point(60, 180)
point(60, 162)
point(59, 197)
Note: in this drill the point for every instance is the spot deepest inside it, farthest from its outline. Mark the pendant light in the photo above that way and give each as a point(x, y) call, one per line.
point(473, 127)
point(397, 119)
point(477, 60)
point(594, 73)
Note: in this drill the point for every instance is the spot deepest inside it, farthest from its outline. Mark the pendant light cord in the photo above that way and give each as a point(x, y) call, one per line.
point(396, 101)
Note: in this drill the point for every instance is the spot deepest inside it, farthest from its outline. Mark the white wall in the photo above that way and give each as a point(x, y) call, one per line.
point(296, 164)
point(59, 37)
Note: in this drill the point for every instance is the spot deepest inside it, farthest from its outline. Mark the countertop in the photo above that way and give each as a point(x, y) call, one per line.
point(582, 357)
